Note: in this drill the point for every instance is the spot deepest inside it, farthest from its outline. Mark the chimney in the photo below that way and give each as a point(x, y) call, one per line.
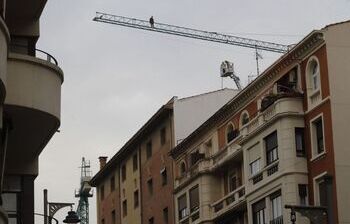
point(103, 161)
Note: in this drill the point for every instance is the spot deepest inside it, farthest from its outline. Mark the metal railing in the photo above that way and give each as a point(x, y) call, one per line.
point(24, 49)
point(48, 57)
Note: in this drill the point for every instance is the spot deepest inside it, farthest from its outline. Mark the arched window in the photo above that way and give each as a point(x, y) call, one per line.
point(313, 81)
point(231, 133)
point(244, 118)
point(182, 169)
point(314, 75)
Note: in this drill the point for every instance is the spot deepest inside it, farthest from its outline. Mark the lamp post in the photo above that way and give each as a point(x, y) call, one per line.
point(71, 218)
point(53, 207)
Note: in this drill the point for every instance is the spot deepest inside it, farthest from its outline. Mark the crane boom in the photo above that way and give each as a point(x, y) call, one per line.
point(191, 33)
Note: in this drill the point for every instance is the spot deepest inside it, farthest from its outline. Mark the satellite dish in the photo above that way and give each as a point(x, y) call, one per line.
point(226, 69)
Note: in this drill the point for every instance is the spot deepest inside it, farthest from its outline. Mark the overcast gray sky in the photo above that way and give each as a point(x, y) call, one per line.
point(117, 77)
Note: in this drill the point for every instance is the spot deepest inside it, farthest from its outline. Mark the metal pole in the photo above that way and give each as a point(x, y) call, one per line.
point(257, 61)
point(45, 206)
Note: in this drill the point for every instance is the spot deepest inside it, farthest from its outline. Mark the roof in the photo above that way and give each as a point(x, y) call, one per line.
point(335, 24)
point(248, 92)
point(128, 147)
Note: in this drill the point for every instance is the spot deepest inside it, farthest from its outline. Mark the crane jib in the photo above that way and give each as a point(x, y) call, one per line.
point(191, 33)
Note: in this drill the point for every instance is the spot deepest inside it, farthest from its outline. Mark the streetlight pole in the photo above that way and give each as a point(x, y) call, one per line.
point(52, 207)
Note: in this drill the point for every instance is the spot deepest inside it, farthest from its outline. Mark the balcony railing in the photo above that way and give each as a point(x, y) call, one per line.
point(229, 201)
point(288, 105)
point(264, 173)
point(278, 220)
point(24, 49)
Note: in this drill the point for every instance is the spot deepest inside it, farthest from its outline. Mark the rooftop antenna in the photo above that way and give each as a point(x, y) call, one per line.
point(227, 70)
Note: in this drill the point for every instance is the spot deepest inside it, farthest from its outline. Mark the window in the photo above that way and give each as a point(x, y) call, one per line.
point(271, 148)
point(314, 75)
point(125, 208)
point(244, 118)
point(255, 167)
point(123, 173)
point(259, 212)
point(162, 136)
point(196, 156)
point(302, 188)
point(136, 199)
point(299, 142)
point(182, 206)
point(182, 169)
point(151, 220)
point(166, 215)
point(113, 218)
point(276, 207)
point(194, 199)
point(313, 82)
point(318, 142)
point(149, 149)
point(164, 177)
point(134, 162)
point(150, 186)
point(112, 183)
point(11, 203)
point(232, 182)
point(323, 185)
point(231, 133)
point(102, 192)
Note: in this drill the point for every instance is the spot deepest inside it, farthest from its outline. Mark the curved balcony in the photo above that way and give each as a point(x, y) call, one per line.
point(289, 106)
point(32, 104)
point(4, 41)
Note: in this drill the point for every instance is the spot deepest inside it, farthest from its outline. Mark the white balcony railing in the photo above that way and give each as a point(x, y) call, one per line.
point(264, 173)
point(283, 106)
point(229, 201)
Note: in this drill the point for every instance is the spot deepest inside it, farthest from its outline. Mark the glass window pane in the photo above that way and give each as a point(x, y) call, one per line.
point(9, 202)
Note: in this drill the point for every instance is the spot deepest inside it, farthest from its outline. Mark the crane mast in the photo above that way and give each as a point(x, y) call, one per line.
point(191, 33)
point(84, 192)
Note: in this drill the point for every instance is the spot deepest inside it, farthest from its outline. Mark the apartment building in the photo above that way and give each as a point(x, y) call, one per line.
point(30, 99)
point(280, 141)
point(141, 171)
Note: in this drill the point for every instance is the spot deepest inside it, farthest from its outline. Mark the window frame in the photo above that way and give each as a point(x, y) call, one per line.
point(136, 199)
point(276, 200)
point(164, 175)
point(259, 214)
point(125, 208)
point(230, 134)
point(150, 186)
point(123, 171)
point(314, 138)
point(195, 207)
point(244, 120)
point(271, 158)
point(135, 164)
point(149, 149)
point(112, 183)
point(300, 133)
point(163, 136)
point(258, 166)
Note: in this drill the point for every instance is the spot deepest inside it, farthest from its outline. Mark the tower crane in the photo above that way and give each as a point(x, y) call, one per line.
point(84, 192)
point(193, 33)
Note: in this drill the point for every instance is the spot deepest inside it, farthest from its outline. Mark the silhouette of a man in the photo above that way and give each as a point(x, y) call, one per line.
point(151, 21)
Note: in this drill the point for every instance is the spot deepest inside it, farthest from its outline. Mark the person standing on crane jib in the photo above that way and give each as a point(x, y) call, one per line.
point(151, 21)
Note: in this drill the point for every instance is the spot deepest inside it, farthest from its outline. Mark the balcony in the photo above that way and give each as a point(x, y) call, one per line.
point(278, 220)
point(231, 201)
point(231, 152)
point(33, 103)
point(264, 173)
point(287, 106)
